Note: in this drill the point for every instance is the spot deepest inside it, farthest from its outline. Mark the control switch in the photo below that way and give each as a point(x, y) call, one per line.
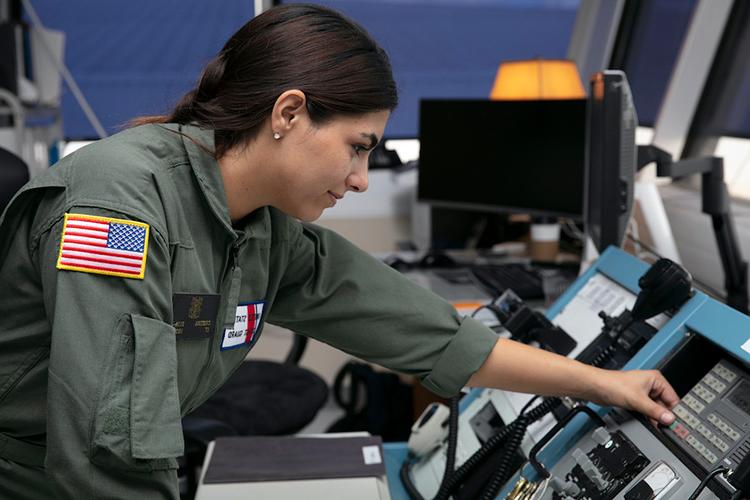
point(589, 469)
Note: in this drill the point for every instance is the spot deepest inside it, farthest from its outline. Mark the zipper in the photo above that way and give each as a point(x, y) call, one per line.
point(234, 253)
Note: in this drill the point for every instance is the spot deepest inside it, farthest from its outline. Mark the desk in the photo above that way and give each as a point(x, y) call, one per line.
point(435, 281)
point(460, 285)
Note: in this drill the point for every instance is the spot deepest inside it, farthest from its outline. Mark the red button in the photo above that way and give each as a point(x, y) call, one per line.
point(681, 431)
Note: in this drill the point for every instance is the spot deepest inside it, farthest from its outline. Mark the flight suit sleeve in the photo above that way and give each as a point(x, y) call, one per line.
point(113, 428)
point(336, 293)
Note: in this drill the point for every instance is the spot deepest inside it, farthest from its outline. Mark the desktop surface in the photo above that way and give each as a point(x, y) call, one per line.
point(455, 291)
point(480, 280)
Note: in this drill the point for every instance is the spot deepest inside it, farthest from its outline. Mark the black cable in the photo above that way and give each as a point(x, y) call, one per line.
point(501, 476)
point(450, 458)
point(709, 476)
point(483, 306)
point(459, 475)
point(450, 484)
point(511, 434)
point(493, 444)
point(604, 355)
point(503, 471)
point(521, 424)
point(411, 490)
point(528, 405)
point(609, 351)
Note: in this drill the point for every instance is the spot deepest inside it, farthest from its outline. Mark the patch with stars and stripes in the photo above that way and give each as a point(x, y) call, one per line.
point(103, 245)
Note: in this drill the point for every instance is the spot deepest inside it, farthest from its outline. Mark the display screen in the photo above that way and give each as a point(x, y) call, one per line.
point(503, 156)
point(740, 396)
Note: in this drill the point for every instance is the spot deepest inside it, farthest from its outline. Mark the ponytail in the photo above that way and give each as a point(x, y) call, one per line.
point(211, 79)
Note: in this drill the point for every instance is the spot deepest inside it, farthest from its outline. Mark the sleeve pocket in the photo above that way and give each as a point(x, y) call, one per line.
point(137, 423)
point(155, 428)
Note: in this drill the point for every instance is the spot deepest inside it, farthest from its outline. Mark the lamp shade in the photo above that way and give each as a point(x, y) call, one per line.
point(536, 79)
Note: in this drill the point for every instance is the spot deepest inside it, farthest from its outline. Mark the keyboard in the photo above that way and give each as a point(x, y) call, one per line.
point(497, 278)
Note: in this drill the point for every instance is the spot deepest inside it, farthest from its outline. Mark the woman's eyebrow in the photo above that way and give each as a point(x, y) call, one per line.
point(373, 139)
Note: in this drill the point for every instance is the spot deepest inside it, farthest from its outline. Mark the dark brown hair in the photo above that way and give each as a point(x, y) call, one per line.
point(338, 66)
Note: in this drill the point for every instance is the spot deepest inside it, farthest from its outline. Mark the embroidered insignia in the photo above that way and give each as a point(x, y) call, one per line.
point(103, 245)
point(194, 315)
point(246, 325)
point(196, 304)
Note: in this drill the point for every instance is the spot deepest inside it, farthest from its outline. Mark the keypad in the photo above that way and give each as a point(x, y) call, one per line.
point(704, 393)
point(693, 403)
point(685, 415)
point(680, 430)
point(704, 431)
point(710, 425)
point(714, 383)
point(719, 443)
point(723, 426)
point(725, 373)
point(712, 438)
point(701, 449)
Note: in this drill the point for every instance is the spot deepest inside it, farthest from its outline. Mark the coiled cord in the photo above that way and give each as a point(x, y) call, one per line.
point(512, 434)
point(609, 351)
point(604, 355)
point(403, 473)
point(499, 439)
point(503, 471)
point(450, 459)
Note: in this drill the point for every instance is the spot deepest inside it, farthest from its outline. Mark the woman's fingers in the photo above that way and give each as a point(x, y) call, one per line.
point(645, 391)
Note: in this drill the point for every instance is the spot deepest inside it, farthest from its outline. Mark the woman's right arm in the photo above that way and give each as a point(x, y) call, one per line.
point(518, 367)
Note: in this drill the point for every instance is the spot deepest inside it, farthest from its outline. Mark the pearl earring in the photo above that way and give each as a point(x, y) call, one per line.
point(276, 136)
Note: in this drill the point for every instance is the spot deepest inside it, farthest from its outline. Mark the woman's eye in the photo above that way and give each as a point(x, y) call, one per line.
point(358, 148)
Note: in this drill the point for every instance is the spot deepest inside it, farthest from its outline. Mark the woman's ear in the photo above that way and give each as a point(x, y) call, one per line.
point(290, 108)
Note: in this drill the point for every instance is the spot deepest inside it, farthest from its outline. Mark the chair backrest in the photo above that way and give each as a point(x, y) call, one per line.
point(14, 173)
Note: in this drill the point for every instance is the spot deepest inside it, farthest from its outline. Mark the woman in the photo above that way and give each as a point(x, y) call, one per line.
point(137, 272)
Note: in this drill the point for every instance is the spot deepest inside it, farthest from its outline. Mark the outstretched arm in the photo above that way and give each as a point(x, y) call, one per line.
point(517, 367)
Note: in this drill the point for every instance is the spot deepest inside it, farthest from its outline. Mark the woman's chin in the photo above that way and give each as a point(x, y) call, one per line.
point(309, 215)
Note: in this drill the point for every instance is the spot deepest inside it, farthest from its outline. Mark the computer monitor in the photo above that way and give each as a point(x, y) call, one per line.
point(503, 156)
point(611, 156)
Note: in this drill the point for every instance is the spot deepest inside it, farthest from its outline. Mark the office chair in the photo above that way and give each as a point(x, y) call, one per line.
point(261, 398)
point(14, 173)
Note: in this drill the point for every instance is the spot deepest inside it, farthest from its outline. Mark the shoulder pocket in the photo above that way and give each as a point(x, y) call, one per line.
point(137, 422)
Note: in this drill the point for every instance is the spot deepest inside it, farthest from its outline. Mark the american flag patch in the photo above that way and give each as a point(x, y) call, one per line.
point(103, 245)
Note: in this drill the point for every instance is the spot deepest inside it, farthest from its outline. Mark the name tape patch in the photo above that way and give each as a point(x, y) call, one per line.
point(246, 323)
point(103, 245)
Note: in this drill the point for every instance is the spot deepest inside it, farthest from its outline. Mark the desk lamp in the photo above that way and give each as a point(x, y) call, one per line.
point(539, 79)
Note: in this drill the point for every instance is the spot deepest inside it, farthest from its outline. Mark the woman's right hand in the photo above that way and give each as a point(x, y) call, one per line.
point(644, 391)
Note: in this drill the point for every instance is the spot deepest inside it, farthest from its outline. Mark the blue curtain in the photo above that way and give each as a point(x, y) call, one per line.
point(452, 48)
point(136, 57)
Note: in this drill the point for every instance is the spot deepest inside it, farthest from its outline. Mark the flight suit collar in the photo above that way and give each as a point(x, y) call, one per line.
point(206, 170)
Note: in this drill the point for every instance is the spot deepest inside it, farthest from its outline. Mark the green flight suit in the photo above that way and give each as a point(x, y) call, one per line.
point(94, 377)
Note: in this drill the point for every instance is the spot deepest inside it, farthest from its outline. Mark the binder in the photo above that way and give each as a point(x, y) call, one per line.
point(287, 458)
